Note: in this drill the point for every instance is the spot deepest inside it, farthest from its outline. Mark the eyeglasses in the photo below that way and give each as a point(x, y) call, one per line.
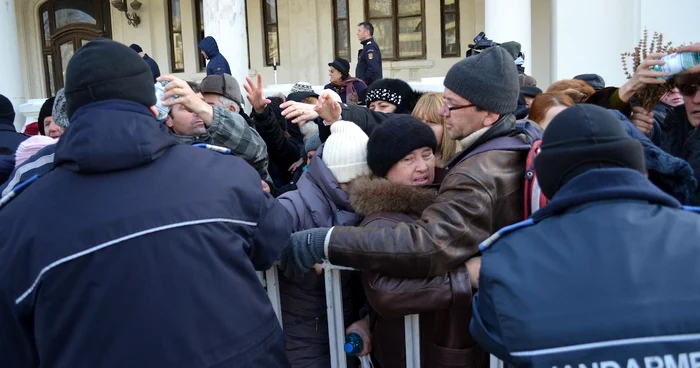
point(447, 108)
point(688, 90)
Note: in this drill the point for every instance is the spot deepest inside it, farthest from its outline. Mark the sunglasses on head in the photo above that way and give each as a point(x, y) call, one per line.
point(688, 90)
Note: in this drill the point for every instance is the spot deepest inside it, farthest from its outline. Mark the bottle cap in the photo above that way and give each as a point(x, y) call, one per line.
point(349, 347)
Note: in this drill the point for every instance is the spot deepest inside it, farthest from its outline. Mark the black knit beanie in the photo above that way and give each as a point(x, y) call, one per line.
point(7, 111)
point(581, 138)
point(394, 91)
point(489, 80)
point(105, 70)
point(393, 139)
point(45, 112)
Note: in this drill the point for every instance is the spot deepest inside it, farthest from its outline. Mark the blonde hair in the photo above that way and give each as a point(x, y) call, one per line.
point(428, 109)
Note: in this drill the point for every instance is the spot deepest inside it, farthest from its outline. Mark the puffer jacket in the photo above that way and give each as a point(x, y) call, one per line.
point(217, 64)
point(319, 202)
point(443, 302)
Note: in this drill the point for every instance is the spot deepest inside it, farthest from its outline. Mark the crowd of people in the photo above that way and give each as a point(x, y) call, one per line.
point(146, 252)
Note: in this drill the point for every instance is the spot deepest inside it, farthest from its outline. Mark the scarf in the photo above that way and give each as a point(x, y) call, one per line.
point(351, 97)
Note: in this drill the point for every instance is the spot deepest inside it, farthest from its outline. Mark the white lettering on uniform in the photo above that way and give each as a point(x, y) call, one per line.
point(684, 360)
point(681, 363)
point(694, 359)
point(653, 362)
point(609, 364)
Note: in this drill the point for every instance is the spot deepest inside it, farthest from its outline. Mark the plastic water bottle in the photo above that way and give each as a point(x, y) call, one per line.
point(163, 111)
point(353, 344)
point(676, 63)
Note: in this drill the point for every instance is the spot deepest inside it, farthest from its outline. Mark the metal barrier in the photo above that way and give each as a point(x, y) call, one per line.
point(336, 320)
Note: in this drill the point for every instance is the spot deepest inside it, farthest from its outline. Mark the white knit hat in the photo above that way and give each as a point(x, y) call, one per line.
point(345, 151)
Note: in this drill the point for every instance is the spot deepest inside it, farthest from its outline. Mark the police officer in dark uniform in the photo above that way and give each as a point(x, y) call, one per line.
point(369, 59)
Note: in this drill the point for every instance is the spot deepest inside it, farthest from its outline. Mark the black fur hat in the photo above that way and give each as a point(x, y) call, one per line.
point(394, 91)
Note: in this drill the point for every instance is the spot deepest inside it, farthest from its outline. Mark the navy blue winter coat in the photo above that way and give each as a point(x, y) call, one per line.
point(146, 258)
point(8, 135)
point(608, 273)
point(155, 70)
point(217, 64)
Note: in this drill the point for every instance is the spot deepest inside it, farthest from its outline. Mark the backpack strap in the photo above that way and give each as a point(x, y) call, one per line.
point(534, 199)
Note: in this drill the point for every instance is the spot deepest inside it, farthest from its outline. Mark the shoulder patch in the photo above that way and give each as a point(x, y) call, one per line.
point(369, 42)
point(218, 68)
point(370, 54)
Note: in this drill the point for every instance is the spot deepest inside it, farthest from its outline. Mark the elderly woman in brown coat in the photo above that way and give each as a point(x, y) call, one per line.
point(401, 154)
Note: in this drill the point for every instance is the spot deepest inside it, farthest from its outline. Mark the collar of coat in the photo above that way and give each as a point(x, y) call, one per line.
point(370, 195)
point(604, 185)
point(505, 126)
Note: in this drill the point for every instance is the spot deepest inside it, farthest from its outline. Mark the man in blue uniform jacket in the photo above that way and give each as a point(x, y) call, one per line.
point(149, 60)
point(217, 64)
point(606, 274)
point(147, 258)
point(369, 58)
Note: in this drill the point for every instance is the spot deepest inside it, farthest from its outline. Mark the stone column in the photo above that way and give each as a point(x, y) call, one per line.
point(10, 70)
point(225, 21)
point(509, 20)
point(592, 49)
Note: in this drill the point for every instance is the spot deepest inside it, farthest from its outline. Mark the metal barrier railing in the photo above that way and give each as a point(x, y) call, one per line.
point(336, 320)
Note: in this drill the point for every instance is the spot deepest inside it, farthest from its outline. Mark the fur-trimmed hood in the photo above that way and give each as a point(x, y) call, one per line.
point(373, 195)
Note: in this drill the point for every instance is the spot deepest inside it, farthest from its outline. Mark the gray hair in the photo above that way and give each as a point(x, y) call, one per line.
point(228, 103)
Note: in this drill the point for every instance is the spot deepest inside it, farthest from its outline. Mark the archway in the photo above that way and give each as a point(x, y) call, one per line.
point(67, 25)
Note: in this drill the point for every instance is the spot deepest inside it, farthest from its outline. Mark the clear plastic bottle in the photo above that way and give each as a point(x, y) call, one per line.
point(677, 63)
point(353, 344)
point(163, 111)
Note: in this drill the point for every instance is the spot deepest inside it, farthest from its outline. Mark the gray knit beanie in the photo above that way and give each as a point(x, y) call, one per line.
point(312, 143)
point(60, 116)
point(489, 80)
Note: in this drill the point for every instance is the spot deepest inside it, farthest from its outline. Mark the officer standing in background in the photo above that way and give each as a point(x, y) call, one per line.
point(369, 59)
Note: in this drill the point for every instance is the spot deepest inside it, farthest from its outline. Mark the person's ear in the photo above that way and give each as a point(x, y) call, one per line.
point(154, 110)
point(169, 121)
point(233, 108)
point(491, 118)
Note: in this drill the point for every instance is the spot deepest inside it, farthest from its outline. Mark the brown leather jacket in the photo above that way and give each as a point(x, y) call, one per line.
point(443, 302)
point(478, 196)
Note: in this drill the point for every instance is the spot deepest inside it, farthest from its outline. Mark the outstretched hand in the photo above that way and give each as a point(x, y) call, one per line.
point(327, 107)
point(298, 112)
point(256, 94)
point(303, 251)
point(642, 76)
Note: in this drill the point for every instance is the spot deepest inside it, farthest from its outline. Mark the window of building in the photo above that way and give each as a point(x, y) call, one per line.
point(177, 54)
point(271, 32)
point(398, 27)
point(449, 21)
point(341, 29)
point(199, 31)
point(66, 26)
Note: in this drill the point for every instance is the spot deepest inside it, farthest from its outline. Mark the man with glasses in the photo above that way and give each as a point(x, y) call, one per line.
point(688, 115)
point(482, 192)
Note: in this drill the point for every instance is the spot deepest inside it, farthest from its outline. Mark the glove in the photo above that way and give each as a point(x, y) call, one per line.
point(304, 250)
